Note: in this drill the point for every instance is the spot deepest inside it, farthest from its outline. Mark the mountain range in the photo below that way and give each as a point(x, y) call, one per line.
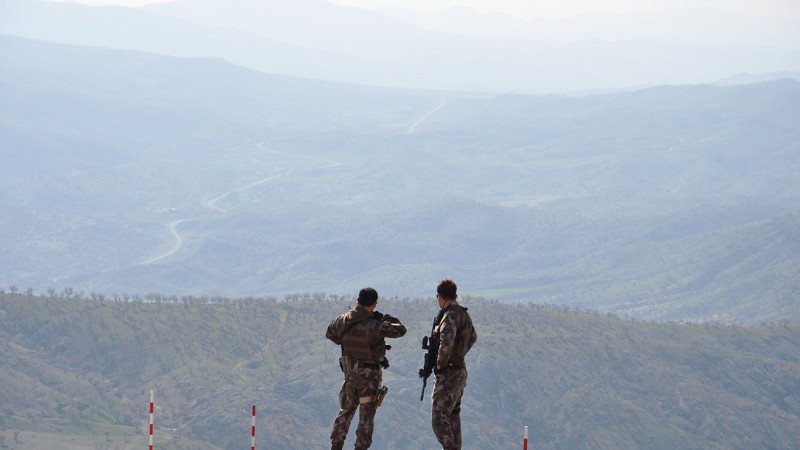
point(459, 50)
point(128, 172)
point(190, 193)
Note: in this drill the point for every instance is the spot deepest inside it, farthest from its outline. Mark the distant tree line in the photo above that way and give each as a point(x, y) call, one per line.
point(158, 298)
point(252, 301)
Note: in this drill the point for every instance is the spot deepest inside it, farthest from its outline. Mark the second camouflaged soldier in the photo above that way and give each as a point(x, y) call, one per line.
point(361, 332)
point(455, 336)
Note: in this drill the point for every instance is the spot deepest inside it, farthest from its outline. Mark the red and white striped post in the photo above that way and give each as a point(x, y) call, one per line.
point(525, 440)
point(253, 431)
point(151, 419)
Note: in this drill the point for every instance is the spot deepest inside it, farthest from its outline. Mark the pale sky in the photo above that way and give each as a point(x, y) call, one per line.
point(557, 8)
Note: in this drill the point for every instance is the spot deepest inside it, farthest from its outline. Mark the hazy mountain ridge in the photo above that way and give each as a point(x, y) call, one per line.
point(576, 379)
point(278, 185)
point(271, 36)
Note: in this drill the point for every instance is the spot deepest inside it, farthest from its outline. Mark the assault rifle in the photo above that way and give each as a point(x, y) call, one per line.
point(431, 344)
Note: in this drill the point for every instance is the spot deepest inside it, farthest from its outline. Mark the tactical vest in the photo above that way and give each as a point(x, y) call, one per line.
point(356, 343)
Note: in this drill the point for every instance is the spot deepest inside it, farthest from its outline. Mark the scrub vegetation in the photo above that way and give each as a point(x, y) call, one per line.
point(82, 369)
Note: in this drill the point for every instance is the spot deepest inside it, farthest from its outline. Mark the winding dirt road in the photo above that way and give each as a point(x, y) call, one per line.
point(213, 203)
point(427, 116)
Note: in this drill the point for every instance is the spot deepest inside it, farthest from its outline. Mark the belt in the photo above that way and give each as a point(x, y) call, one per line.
point(368, 365)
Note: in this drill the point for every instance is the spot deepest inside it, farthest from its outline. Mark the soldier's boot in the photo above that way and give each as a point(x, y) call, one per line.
point(337, 445)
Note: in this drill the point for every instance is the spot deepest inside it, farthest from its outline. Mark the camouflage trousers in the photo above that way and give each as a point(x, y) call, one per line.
point(446, 407)
point(361, 382)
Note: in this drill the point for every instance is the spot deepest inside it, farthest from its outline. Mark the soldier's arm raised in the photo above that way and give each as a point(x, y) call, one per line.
point(393, 329)
point(334, 331)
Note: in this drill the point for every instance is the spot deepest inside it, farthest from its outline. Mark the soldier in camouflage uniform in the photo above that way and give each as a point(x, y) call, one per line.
point(361, 332)
point(456, 335)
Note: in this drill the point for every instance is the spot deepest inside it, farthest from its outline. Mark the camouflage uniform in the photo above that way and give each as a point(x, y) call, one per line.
point(361, 334)
point(456, 336)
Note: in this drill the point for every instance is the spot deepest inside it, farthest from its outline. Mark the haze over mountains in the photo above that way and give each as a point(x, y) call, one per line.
point(128, 172)
point(168, 173)
point(134, 172)
point(454, 49)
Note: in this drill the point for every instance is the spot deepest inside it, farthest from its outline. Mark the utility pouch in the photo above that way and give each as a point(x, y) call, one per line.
point(376, 398)
point(346, 364)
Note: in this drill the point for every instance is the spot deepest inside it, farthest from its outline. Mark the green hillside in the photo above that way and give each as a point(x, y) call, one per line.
point(79, 371)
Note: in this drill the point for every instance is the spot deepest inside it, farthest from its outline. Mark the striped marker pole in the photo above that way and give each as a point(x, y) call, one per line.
point(151, 419)
point(253, 431)
point(525, 440)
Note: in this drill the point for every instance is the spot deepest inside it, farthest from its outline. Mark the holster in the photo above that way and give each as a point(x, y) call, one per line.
point(376, 398)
